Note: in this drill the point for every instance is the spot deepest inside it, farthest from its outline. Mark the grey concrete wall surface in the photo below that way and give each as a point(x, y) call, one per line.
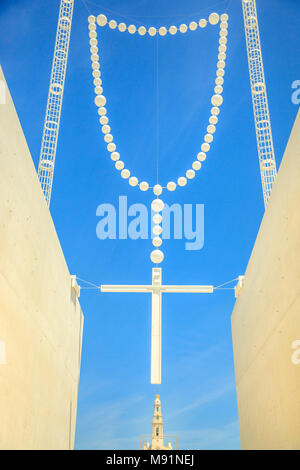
point(266, 319)
point(41, 321)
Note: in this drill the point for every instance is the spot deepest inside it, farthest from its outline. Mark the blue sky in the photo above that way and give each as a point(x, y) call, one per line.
point(198, 392)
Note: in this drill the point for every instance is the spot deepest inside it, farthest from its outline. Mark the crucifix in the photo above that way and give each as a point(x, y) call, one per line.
point(157, 289)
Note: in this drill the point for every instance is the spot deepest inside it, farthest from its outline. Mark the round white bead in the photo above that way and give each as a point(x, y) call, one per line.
point(201, 156)
point(111, 147)
point(224, 17)
point(157, 218)
point(133, 181)
point(218, 89)
point(115, 156)
point(101, 20)
point(211, 129)
point(208, 138)
point(157, 256)
point(119, 165)
point(152, 31)
point(94, 49)
point(144, 186)
point(92, 27)
point(221, 64)
point(182, 181)
point(142, 30)
point(219, 81)
point(103, 120)
point(215, 111)
point(223, 40)
point(157, 230)
point(220, 73)
point(171, 186)
point(108, 138)
point(157, 242)
point(193, 25)
point(125, 174)
point(222, 56)
point(183, 28)
point(172, 30)
point(157, 190)
point(106, 129)
point(102, 111)
point(100, 101)
point(217, 100)
point(196, 165)
point(92, 34)
point(190, 174)
point(157, 205)
point(91, 19)
point(112, 24)
point(205, 147)
point(131, 29)
point(162, 31)
point(223, 33)
point(98, 90)
point(96, 73)
point(222, 48)
point(202, 23)
point(97, 81)
point(214, 18)
point(93, 42)
point(213, 120)
point(122, 27)
point(95, 65)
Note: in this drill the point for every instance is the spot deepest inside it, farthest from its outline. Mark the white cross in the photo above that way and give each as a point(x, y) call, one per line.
point(156, 289)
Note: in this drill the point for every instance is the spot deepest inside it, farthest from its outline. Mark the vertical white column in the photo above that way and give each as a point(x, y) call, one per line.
point(156, 337)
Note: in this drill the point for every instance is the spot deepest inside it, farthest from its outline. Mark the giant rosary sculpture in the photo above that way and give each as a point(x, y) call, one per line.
point(157, 205)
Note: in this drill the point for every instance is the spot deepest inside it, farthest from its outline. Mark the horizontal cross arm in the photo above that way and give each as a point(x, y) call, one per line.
point(188, 289)
point(135, 289)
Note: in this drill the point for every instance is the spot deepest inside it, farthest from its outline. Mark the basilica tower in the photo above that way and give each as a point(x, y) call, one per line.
point(157, 429)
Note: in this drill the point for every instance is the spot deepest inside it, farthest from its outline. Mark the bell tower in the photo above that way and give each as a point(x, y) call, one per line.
point(157, 431)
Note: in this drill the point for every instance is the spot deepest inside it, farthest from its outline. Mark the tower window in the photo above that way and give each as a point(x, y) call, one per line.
point(157, 409)
point(157, 431)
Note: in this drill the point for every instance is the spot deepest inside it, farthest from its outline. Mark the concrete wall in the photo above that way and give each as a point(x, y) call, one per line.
point(40, 317)
point(266, 319)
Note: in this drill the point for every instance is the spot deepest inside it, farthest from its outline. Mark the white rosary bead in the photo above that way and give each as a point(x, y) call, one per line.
point(91, 19)
point(96, 73)
point(214, 18)
point(213, 119)
point(182, 181)
point(115, 156)
point(193, 26)
point(196, 165)
point(171, 186)
point(152, 31)
point(98, 90)
point(157, 230)
point(108, 138)
point(97, 81)
point(217, 100)
point(93, 34)
point(202, 23)
point(144, 186)
point(224, 17)
point(125, 173)
point(172, 30)
point(157, 190)
point(142, 30)
point(157, 218)
point(102, 111)
point(101, 20)
point(220, 73)
point(205, 147)
point(131, 29)
point(111, 147)
point(106, 129)
point(219, 81)
point(93, 42)
point(157, 205)
point(208, 138)
point(215, 111)
point(218, 89)
point(100, 101)
point(222, 48)
point(133, 181)
point(103, 120)
point(122, 27)
point(211, 129)
point(157, 242)
point(162, 31)
point(201, 156)
point(157, 256)
point(190, 174)
point(112, 24)
point(94, 49)
point(183, 28)
point(119, 165)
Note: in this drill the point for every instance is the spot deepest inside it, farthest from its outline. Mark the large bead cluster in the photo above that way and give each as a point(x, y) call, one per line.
point(157, 205)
